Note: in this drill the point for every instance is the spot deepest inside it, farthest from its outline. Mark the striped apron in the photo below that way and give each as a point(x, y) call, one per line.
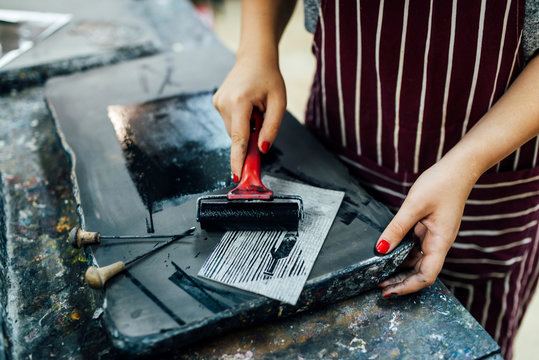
point(397, 84)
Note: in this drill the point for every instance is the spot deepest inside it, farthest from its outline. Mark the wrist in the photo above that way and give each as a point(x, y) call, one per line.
point(262, 53)
point(465, 166)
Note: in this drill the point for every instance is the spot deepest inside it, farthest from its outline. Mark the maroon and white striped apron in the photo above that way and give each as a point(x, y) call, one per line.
point(397, 84)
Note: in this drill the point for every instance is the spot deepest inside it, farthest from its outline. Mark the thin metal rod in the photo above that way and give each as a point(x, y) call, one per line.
point(174, 238)
point(157, 236)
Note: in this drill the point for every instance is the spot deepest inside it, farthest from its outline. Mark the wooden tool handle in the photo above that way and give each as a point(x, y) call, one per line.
point(96, 277)
point(79, 237)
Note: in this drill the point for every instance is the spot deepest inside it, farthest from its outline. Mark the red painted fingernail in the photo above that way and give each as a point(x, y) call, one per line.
point(382, 247)
point(388, 295)
point(265, 146)
point(235, 178)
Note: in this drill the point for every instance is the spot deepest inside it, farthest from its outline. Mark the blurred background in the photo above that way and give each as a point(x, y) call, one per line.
point(296, 59)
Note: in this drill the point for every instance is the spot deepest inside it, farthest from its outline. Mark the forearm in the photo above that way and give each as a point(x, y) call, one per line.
point(512, 121)
point(262, 24)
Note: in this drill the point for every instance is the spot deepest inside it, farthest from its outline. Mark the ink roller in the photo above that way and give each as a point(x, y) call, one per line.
point(250, 206)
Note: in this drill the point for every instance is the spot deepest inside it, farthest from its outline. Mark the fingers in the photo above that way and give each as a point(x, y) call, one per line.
point(239, 134)
point(397, 278)
point(414, 280)
point(276, 106)
point(412, 258)
point(404, 220)
point(411, 261)
point(437, 208)
point(422, 275)
point(252, 82)
point(416, 254)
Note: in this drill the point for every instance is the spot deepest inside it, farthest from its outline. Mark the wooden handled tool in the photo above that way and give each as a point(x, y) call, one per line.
point(79, 237)
point(96, 277)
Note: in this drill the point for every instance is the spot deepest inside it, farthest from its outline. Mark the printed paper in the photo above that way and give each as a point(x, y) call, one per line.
point(276, 264)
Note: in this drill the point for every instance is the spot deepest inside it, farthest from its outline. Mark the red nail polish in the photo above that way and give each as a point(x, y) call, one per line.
point(265, 146)
point(235, 178)
point(388, 295)
point(382, 247)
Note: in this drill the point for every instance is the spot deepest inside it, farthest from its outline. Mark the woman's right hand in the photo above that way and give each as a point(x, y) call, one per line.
point(255, 81)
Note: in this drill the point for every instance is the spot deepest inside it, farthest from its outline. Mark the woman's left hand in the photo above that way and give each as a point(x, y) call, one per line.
point(434, 205)
point(436, 200)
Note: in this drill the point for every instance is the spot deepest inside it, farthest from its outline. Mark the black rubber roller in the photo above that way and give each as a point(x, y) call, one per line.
point(223, 214)
point(250, 205)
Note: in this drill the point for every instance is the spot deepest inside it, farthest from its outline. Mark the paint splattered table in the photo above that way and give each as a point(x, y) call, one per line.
point(51, 310)
point(428, 325)
point(48, 311)
point(142, 152)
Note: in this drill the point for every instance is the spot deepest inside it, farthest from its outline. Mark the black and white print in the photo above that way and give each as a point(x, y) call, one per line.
point(276, 264)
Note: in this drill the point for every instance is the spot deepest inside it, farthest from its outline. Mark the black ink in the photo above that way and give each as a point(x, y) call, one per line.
point(347, 213)
point(294, 269)
point(282, 252)
point(221, 214)
point(167, 79)
point(154, 298)
point(368, 221)
point(172, 147)
point(195, 288)
point(149, 223)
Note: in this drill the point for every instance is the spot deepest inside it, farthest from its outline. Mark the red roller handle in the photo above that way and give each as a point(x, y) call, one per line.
point(250, 186)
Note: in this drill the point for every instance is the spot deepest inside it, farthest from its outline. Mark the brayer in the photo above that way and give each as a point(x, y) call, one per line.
point(250, 206)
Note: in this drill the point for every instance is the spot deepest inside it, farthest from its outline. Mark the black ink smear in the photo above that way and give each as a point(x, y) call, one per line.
point(349, 211)
point(167, 79)
point(368, 221)
point(154, 298)
point(170, 150)
point(196, 289)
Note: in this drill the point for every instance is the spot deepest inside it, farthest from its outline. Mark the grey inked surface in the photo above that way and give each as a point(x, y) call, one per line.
point(276, 264)
point(135, 182)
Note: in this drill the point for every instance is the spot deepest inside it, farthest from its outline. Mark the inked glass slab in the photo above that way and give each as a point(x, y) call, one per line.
point(172, 148)
point(107, 117)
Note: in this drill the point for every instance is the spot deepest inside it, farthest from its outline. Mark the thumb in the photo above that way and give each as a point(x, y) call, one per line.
point(397, 229)
point(275, 108)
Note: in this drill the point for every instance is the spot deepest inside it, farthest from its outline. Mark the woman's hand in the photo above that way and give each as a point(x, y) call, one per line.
point(434, 205)
point(253, 82)
point(436, 200)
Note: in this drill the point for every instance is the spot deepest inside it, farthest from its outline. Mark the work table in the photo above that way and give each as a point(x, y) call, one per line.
point(48, 309)
point(428, 325)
